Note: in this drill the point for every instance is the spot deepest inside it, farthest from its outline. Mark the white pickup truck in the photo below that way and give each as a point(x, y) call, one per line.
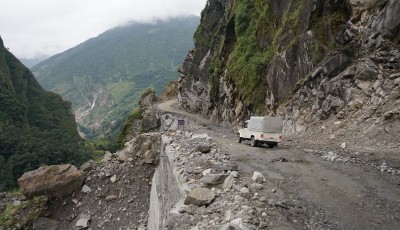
point(259, 130)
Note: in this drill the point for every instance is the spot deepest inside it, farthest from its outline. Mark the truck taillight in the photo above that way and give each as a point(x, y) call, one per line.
point(262, 135)
point(280, 136)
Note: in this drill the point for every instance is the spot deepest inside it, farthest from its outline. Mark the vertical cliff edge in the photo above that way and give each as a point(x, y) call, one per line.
point(325, 66)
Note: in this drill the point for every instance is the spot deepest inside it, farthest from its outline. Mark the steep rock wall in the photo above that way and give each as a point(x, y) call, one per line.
point(274, 57)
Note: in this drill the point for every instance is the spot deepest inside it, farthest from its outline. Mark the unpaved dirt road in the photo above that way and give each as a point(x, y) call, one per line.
point(305, 191)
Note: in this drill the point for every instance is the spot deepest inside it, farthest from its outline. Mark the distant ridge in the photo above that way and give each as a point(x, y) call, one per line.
point(104, 76)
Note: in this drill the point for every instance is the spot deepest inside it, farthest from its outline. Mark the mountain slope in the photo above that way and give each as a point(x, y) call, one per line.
point(36, 126)
point(104, 76)
point(330, 64)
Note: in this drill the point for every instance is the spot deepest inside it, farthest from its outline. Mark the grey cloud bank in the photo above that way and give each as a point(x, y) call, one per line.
point(37, 28)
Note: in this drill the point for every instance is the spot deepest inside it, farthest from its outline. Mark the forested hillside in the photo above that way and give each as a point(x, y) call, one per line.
point(104, 76)
point(36, 127)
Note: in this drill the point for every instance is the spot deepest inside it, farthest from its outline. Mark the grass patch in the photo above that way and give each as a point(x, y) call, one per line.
point(120, 90)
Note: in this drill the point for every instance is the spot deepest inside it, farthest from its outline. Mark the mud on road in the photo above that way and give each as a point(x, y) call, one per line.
point(305, 191)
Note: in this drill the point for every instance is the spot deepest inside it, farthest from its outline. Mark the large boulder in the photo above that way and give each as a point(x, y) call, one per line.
point(54, 180)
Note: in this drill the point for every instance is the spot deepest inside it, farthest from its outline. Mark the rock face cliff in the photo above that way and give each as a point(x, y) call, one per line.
point(310, 62)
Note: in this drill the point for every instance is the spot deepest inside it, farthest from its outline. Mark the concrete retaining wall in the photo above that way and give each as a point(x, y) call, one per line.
point(167, 189)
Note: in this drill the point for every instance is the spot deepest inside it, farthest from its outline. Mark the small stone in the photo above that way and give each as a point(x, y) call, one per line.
point(343, 145)
point(256, 187)
point(191, 209)
point(111, 197)
point(107, 156)
point(16, 202)
point(113, 178)
point(228, 183)
point(338, 122)
point(238, 199)
point(88, 166)
point(75, 201)
point(2, 195)
point(263, 214)
point(121, 156)
point(394, 76)
point(234, 174)
point(273, 190)
point(86, 189)
point(82, 223)
point(258, 177)
point(230, 226)
point(199, 197)
point(214, 179)
point(203, 148)
point(43, 223)
point(206, 172)
point(244, 190)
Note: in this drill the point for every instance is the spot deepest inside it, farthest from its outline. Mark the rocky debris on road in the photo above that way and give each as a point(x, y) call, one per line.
point(218, 196)
point(54, 180)
point(356, 158)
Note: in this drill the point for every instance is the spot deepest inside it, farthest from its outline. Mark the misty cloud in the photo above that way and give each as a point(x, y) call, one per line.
point(46, 27)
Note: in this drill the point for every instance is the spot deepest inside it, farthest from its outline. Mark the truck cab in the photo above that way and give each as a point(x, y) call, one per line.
point(259, 130)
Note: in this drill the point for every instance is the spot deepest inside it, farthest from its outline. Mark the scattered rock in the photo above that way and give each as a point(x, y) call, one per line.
point(111, 197)
point(343, 145)
point(235, 174)
point(244, 190)
point(121, 156)
point(43, 223)
point(202, 148)
point(199, 197)
point(113, 178)
point(54, 180)
point(107, 156)
point(256, 187)
point(214, 179)
point(394, 76)
point(82, 223)
point(258, 177)
point(86, 189)
point(17, 202)
point(206, 172)
point(88, 166)
point(228, 183)
point(191, 209)
point(230, 226)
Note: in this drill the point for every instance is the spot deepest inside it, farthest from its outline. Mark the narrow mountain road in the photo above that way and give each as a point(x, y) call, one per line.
point(305, 191)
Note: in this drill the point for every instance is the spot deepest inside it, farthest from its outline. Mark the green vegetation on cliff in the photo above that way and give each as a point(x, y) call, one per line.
point(36, 126)
point(104, 76)
point(258, 32)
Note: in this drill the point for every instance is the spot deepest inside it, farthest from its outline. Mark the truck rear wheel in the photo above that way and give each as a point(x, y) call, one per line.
point(253, 142)
point(239, 139)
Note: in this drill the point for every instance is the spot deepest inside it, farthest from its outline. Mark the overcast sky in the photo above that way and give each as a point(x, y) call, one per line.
point(32, 28)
